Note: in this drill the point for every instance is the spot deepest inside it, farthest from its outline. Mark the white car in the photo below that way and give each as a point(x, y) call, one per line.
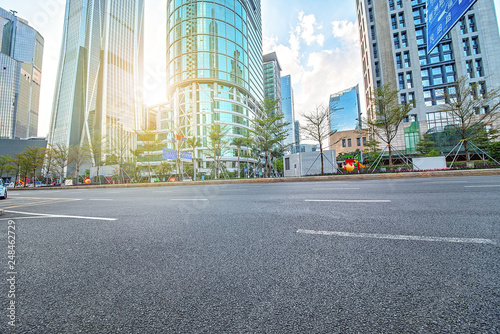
point(3, 190)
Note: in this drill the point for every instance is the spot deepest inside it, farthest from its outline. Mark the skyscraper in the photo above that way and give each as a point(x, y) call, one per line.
point(394, 51)
point(289, 113)
point(99, 82)
point(272, 78)
point(21, 54)
point(345, 111)
point(214, 69)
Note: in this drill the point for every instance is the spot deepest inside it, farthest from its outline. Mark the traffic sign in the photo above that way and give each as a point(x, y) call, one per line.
point(442, 17)
point(169, 154)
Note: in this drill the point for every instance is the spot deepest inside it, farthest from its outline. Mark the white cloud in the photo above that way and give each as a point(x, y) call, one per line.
point(307, 28)
point(346, 31)
point(317, 75)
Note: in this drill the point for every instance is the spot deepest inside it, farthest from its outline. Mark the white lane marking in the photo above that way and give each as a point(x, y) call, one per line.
point(444, 182)
point(162, 191)
point(100, 199)
point(189, 199)
point(335, 188)
point(401, 237)
point(484, 186)
point(350, 200)
point(59, 216)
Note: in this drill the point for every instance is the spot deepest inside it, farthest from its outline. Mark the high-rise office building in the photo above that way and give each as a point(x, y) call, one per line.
point(99, 82)
point(21, 54)
point(214, 69)
point(272, 78)
point(345, 111)
point(394, 51)
point(289, 112)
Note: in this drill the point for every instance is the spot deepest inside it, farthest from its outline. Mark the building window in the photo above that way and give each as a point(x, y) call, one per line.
point(411, 98)
point(287, 163)
point(404, 40)
point(401, 81)
point(370, 14)
point(396, 41)
point(463, 27)
point(377, 69)
point(391, 4)
point(403, 98)
point(358, 141)
point(401, 18)
point(407, 59)
point(373, 32)
point(470, 70)
point(420, 36)
point(349, 142)
point(393, 21)
point(472, 23)
point(343, 142)
point(479, 67)
point(364, 140)
point(475, 45)
point(466, 46)
point(482, 88)
point(399, 63)
point(409, 80)
point(375, 52)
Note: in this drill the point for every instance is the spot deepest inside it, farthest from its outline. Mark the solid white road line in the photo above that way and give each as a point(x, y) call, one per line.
point(484, 186)
point(400, 237)
point(100, 199)
point(444, 182)
point(60, 216)
point(350, 200)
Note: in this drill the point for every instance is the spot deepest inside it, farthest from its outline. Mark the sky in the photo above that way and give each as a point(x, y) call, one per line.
point(316, 42)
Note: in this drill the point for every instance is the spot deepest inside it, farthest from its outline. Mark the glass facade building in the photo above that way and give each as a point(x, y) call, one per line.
point(289, 112)
point(99, 82)
point(272, 78)
point(345, 111)
point(394, 51)
point(21, 55)
point(214, 69)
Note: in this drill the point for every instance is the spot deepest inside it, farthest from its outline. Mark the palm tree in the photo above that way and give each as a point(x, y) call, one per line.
point(238, 142)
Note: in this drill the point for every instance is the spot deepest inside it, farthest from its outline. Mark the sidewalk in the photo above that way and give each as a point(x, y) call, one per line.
point(340, 177)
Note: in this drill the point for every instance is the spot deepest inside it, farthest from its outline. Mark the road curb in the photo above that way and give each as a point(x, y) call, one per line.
point(350, 177)
point(1, 212)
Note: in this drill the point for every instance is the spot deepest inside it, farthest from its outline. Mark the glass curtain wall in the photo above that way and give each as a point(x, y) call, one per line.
point(214, 69)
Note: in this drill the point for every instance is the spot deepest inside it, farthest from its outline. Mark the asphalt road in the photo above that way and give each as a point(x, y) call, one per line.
point(381, 256)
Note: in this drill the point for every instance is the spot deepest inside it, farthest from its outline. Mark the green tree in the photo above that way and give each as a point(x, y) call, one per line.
point(494, 150)
point(238, 142)
point(34, 158)
point(149, 146)
point(269, 128)
point(22, 166)
point(164, 169)
point(77, 156)
point(96, 148)
point(217, 144)
point(248, 142)
point(389, 114)
point(61, 159)
point(425, 144)
point(193, 143)
point(120, 149)
point(49, 160)
point(5, 164)
point(317, 128)
point(465, 107)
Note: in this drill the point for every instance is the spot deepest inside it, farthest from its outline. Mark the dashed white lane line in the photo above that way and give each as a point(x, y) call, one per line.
point(443, 182)
point(484, 186)
point(60, 216)
point(100, 199)
point(400, 237)
point(336, 189)
point(189, 199)
point(350, 200)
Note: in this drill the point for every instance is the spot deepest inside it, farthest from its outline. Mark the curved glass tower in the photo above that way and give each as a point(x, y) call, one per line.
point(214, 68)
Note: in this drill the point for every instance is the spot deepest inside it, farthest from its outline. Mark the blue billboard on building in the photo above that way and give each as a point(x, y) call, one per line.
point(442, 16)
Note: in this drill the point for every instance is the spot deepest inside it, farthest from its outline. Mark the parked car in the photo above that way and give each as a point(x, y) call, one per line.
point(3, 190)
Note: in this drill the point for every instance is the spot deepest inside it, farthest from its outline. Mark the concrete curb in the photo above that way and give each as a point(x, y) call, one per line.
point(350, 177)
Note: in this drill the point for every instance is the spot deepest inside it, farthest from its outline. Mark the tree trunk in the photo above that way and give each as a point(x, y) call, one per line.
point(390, 156)
point(238, 163)
point(466, 147)
point(265, 166)
point(248, 167)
